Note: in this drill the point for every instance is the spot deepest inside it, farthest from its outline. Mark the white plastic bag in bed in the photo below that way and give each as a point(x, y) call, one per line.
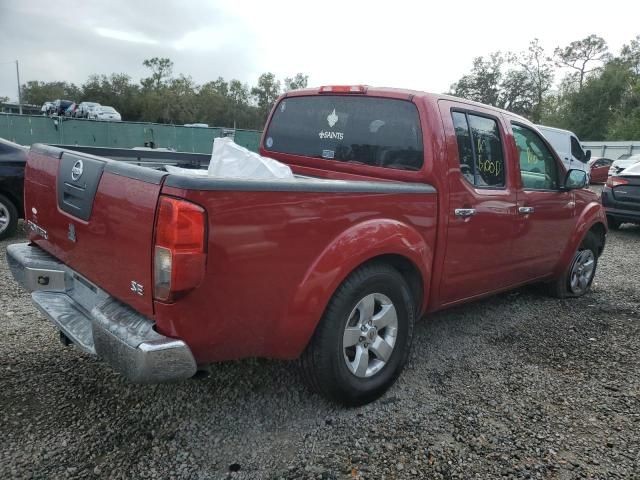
point(230, 160)
point(186, 171)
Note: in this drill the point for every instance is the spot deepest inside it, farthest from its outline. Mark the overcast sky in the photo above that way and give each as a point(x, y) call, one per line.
point(415, 44)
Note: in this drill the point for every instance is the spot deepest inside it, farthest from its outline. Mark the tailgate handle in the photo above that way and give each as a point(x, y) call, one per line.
point(525, 210)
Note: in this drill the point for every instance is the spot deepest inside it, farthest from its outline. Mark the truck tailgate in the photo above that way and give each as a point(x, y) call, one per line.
point(97, 216)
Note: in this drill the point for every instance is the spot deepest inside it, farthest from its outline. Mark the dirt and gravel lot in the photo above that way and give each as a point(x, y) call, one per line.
point(518, 385)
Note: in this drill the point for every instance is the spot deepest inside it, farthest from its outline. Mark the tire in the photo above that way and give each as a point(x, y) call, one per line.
point(8, 217)
point(374, 291)
point(577, 279)
point(614, 224)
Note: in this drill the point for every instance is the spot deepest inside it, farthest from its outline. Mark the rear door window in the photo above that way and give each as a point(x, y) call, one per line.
point(479, 149)
point(381, 132)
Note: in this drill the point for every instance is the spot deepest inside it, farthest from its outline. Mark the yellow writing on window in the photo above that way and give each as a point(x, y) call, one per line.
point(485, 164)
point(531, 156)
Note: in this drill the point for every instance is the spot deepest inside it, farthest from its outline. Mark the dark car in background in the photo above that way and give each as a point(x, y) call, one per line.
point(61, 107)
point(71, 110)
point(13, 158)
point(621, 197)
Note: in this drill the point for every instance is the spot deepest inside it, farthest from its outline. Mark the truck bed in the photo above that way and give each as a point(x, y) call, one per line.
point(275, 247)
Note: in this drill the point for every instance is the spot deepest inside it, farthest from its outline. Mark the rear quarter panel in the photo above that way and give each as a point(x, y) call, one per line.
point(275, 259)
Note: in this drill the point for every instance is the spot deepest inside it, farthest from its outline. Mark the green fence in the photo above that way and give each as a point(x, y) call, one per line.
point(28, 129)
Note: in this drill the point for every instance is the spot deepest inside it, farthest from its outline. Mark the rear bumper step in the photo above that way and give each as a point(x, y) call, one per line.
point(98, 323)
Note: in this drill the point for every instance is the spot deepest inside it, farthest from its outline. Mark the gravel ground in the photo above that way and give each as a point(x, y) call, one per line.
point(518, 385)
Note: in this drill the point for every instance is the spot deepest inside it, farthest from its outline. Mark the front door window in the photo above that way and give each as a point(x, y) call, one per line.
point(538, 166)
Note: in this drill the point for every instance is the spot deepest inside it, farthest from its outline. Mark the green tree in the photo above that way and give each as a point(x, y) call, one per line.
point(116, 90)
point(161, 70)
point(630, 55)
point(266, 93)
point(36, 92)
point(590, 111)
point(579, 55)
point(298, 81)
point(483, 83)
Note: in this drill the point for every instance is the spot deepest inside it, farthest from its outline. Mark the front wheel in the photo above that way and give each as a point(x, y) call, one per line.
point(577, 279)
point(363, 340)
point(8, 217)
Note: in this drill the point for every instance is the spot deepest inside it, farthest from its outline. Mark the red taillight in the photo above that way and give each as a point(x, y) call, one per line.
point(343, 89)
point(179, 251)
point(615, 181)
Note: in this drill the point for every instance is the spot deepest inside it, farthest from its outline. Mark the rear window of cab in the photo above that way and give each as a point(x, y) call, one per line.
point(381, 132)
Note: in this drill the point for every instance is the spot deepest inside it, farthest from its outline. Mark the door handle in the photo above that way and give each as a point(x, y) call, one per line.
point(526, 210)
point(465, 212)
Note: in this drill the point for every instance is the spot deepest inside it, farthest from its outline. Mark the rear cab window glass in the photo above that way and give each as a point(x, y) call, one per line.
point(381, 132)
point(479, 149)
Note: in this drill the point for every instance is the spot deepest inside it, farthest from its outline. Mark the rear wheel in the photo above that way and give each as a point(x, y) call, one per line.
point(8, 217)
point(577, 279)
point(363, 340)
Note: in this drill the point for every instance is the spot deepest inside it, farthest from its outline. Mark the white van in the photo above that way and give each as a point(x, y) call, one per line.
point(568, 147)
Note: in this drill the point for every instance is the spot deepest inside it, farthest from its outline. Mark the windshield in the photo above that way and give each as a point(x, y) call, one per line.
point(107, 110)
point(381, 132)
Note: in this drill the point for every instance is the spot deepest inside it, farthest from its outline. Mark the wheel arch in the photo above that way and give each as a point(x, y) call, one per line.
point(600, 230)
point(592, 219)
point(394, 243)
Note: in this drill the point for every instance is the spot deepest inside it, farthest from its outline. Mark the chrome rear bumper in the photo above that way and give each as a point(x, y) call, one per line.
point(96, 322)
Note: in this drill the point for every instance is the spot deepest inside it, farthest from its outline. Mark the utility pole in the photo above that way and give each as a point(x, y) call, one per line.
point(19, 89)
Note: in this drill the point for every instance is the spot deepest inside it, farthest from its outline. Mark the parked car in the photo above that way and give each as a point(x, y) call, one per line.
point(621, 197)
point(568, 147)
point(61, 107)
point(13, 158)
point(85, 109)
point(47, 108)
point(71, 110)
point(105, 113)
point(619, 165)
point(599, 169)
point(403, 203)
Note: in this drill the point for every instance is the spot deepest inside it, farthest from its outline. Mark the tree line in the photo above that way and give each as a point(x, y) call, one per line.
point(581, 86)
point(164, 98)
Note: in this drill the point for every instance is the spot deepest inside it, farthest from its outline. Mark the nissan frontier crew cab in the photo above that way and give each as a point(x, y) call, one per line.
point(402, 203)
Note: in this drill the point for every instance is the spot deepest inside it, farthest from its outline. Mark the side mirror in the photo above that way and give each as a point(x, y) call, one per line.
point(587, 156)
point(575, 179)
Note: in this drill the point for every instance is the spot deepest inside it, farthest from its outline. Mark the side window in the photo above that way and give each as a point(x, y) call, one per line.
point(576, 149)
point(538, 167)
point(479, 149)
point(465, 151)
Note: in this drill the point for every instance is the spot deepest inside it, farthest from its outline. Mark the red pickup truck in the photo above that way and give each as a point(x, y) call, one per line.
point(403, 203)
